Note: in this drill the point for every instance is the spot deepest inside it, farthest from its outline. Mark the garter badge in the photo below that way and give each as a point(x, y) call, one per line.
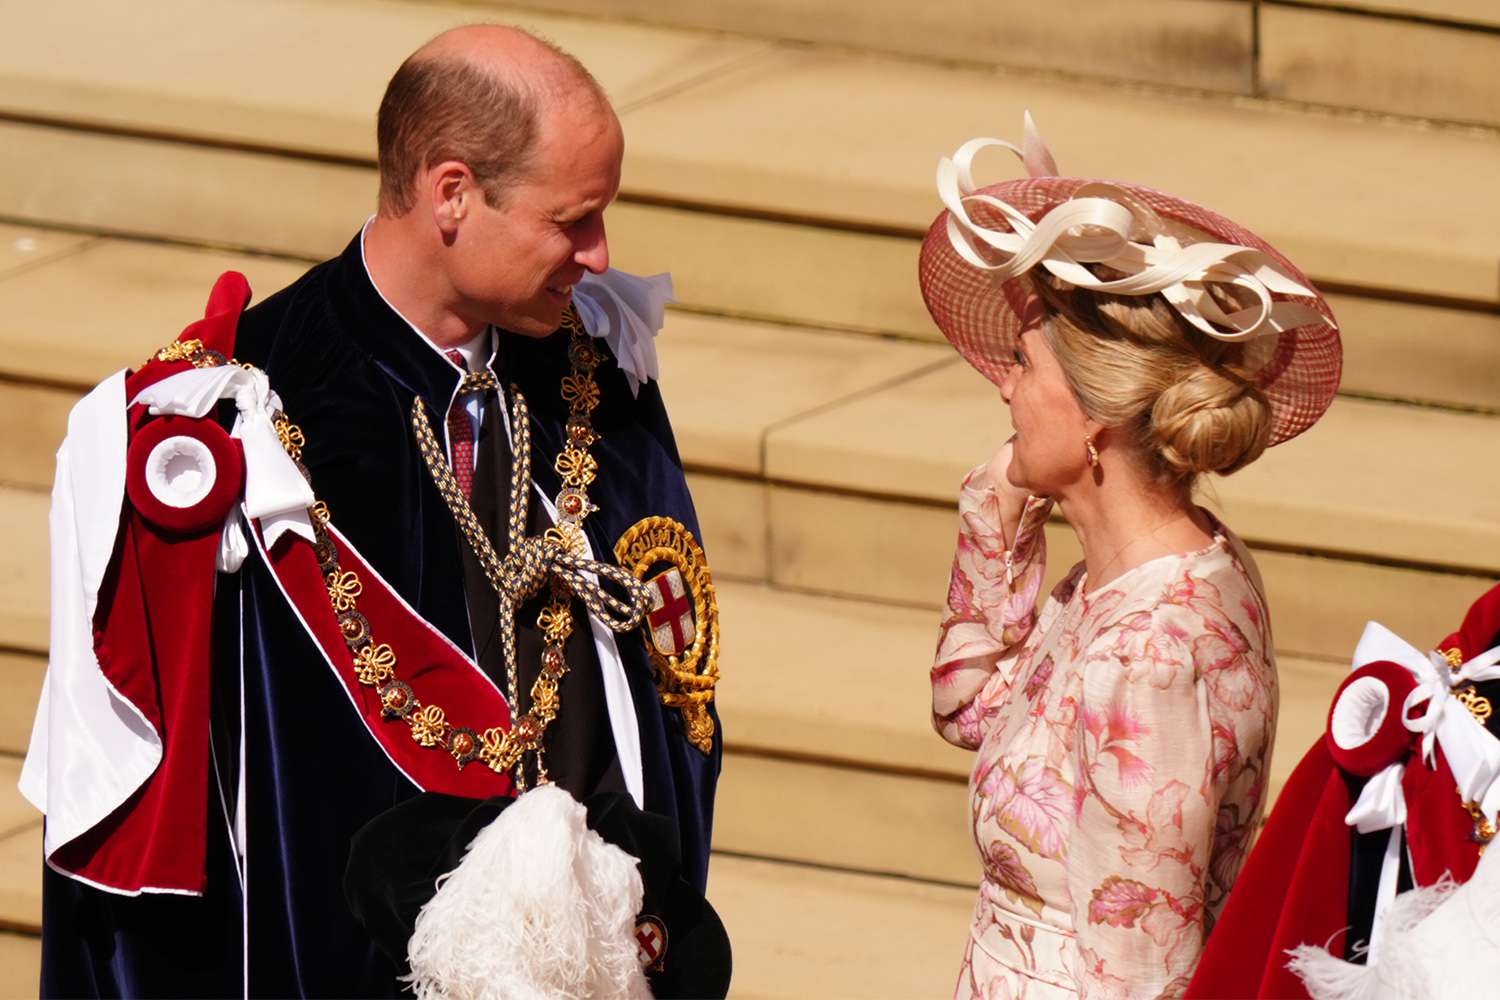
point(650, 942)
point(682, 627)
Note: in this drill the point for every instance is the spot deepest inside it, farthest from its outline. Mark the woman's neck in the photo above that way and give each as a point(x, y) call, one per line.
point(1122, 521)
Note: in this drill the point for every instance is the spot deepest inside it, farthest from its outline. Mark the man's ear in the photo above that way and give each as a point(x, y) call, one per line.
point(452, 188)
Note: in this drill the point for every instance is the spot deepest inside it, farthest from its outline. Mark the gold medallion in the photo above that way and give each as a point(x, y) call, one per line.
point(682, 627)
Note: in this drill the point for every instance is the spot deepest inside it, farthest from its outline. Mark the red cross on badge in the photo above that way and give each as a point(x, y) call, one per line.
point(671, 616)
point(650, 941)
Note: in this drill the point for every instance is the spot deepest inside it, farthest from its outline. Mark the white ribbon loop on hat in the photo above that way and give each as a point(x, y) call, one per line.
point(1472, 752)
point(275, 492)
point(1095, 227)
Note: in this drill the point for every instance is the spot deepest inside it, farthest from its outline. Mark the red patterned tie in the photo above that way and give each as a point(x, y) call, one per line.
point(461, 434)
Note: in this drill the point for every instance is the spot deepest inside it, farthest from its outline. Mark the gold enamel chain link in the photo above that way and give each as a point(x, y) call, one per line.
point(558, 557)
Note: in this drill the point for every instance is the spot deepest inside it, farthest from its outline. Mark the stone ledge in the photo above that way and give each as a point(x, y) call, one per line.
point(895, 553)
point(1458, 11)
point(831, 411)
point(1357, 482)
point(1391, 66)
point(802, 931)
point(1184, 43)
point(825, 678)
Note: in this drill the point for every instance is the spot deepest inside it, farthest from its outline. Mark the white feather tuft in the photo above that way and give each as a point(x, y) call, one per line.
point(1402, 971)
point(540, 907)
point(1330, 978)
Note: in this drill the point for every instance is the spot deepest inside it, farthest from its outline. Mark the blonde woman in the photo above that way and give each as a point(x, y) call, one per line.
point(1123, 725)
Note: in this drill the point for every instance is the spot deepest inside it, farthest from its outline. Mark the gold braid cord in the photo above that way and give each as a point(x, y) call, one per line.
point(557, 557)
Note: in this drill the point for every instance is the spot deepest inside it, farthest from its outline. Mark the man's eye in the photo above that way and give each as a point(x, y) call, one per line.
point(1020, 359)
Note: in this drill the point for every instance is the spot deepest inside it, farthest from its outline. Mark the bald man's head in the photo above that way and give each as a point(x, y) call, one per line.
point(476, 94)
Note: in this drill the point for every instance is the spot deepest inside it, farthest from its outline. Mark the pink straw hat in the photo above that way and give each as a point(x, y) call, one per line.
point(976, 262)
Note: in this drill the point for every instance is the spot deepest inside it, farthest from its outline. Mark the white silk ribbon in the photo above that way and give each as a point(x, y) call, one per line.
point(275, 492)
point(1380, 805)
point(234, 548)
point(1472, 752)
point(626, 311)
point(1095, 226)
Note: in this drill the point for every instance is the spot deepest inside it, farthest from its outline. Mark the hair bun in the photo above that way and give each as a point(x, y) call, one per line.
point(1210, 421)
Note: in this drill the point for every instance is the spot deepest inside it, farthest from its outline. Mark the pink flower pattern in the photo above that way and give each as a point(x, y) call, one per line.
point(1123, 739)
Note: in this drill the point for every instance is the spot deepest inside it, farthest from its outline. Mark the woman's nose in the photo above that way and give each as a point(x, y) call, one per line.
point(1007, 383)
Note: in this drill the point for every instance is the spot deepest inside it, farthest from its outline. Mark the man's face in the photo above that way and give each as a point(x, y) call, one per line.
point(515, 266)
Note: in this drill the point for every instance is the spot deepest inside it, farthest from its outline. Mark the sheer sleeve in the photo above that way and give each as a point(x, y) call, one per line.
point(991, 609)
point(1175, 706)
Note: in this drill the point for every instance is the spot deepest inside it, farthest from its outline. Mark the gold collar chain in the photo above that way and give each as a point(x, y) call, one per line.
point(558, 557)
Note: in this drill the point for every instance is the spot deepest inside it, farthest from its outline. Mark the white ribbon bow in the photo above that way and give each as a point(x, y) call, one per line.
point(1095, 227)
point(626, 311)
point(275, 492)
point(1472, 752)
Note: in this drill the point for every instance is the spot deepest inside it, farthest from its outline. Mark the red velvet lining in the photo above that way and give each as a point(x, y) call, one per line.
point(152, 636)
point(436, 670)
point(1439, 830)
point(229, 478)
point(1392, 741)
point(1302, 855)
point(1481, 628)
point(153, 640)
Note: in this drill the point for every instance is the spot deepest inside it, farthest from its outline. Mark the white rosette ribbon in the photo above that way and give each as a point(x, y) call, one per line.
point(1472, 752)
point(276, 494)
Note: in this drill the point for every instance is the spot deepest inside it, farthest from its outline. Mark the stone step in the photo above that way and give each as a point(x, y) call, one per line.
point(828, 680)
point(1308, 176)
point(835, 163)
point(804, 274)
point(20, 964)
point(826, 711)
point(900, 552)
point(1433, 67)
point(820, 443)
point(23, 673)
point(825, 411)
point(20, 856)
point(797, 930)
point(816, 410)
point(825, 704)
point(1326, 491)
point(887, 549)
point(801, 931)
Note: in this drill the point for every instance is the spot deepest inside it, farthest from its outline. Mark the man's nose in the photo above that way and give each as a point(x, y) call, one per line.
point(592, 249)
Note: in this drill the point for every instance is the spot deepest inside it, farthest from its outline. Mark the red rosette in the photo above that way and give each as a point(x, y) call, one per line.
point(1366, 731)
point(184, 474)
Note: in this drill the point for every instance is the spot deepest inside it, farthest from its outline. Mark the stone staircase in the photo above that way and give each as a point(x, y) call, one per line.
point(780, 165)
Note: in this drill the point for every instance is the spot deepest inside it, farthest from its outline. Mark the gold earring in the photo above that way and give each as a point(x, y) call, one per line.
point(1088, 443)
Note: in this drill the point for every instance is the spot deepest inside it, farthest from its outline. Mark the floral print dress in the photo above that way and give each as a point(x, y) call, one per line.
point(1123, 742)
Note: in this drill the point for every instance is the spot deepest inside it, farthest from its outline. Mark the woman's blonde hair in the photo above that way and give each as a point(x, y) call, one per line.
point(1186, 399)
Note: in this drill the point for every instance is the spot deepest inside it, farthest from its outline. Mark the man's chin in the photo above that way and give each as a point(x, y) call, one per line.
point(541, 320)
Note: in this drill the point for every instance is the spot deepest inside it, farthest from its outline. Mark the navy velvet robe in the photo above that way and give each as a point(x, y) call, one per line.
point(347, 368)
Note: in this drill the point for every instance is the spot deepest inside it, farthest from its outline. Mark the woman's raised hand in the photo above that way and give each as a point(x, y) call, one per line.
point(1009, 500)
